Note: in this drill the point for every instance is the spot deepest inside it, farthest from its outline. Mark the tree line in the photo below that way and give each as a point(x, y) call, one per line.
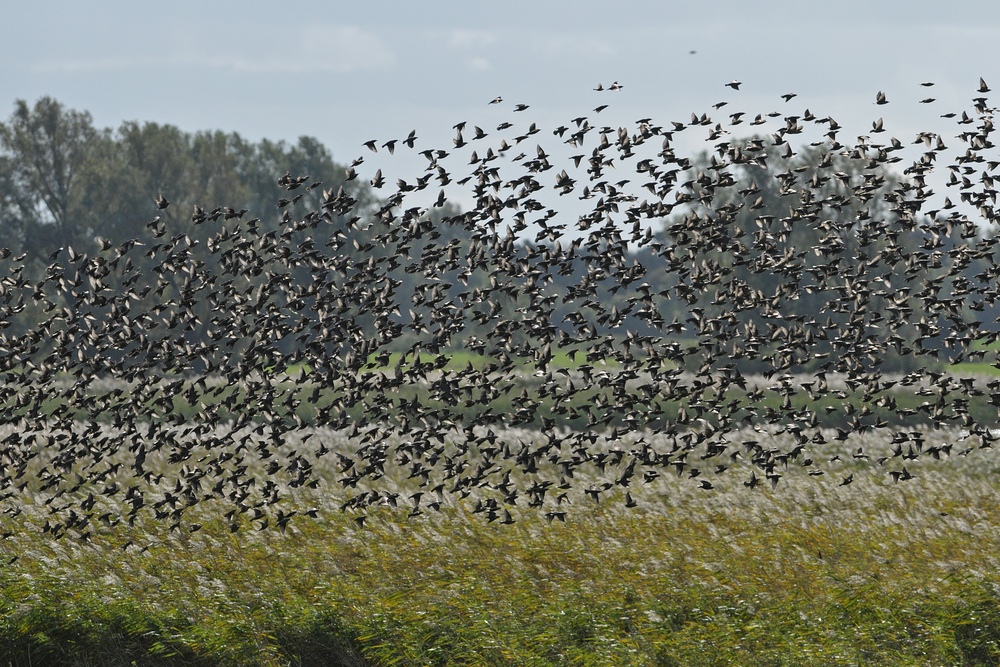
point(65, 182)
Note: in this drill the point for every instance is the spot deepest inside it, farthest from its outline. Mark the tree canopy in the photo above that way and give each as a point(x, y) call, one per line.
point(65, 182)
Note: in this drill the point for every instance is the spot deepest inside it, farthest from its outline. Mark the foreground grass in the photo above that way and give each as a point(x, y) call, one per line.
point(809, 573)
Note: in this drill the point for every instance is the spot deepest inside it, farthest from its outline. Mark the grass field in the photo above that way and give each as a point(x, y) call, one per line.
point(808, 573)
point(975, 368)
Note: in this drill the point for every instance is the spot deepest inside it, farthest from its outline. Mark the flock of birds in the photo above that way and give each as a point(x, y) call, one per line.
point(112, 403)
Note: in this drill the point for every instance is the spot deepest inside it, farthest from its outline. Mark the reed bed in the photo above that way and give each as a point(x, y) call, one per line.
point(811, 572)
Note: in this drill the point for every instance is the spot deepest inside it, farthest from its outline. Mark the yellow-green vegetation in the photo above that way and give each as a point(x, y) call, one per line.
point(811, 572)
point(456, 360)
point(974, 368)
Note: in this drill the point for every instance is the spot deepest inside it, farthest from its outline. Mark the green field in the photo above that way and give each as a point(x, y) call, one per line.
point(975, 368)
point(809, 573)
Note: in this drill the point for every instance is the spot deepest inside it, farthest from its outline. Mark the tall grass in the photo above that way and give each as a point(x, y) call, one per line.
point(808, 573)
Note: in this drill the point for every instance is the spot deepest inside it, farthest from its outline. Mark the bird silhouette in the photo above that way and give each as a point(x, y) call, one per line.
point(685, 319)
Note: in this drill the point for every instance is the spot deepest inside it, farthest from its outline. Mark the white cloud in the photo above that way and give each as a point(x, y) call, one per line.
point(345, 49)
point(88, 65)
point(322, 48)
point(479, 64)
point(574, 45)
point(467, 39)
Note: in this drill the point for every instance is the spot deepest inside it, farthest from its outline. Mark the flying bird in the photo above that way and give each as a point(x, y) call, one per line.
point(582, 305)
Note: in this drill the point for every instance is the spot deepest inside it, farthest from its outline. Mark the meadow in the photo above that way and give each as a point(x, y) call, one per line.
point(741, 413)
point(812, 572)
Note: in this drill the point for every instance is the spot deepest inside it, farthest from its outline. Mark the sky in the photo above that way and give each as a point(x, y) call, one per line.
point(347, 73)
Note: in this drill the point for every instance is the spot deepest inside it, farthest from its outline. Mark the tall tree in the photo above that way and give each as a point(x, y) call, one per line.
point(770, 236)
point(45, 148)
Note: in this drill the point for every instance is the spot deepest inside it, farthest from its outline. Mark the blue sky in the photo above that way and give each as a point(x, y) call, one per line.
point(349, 72)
